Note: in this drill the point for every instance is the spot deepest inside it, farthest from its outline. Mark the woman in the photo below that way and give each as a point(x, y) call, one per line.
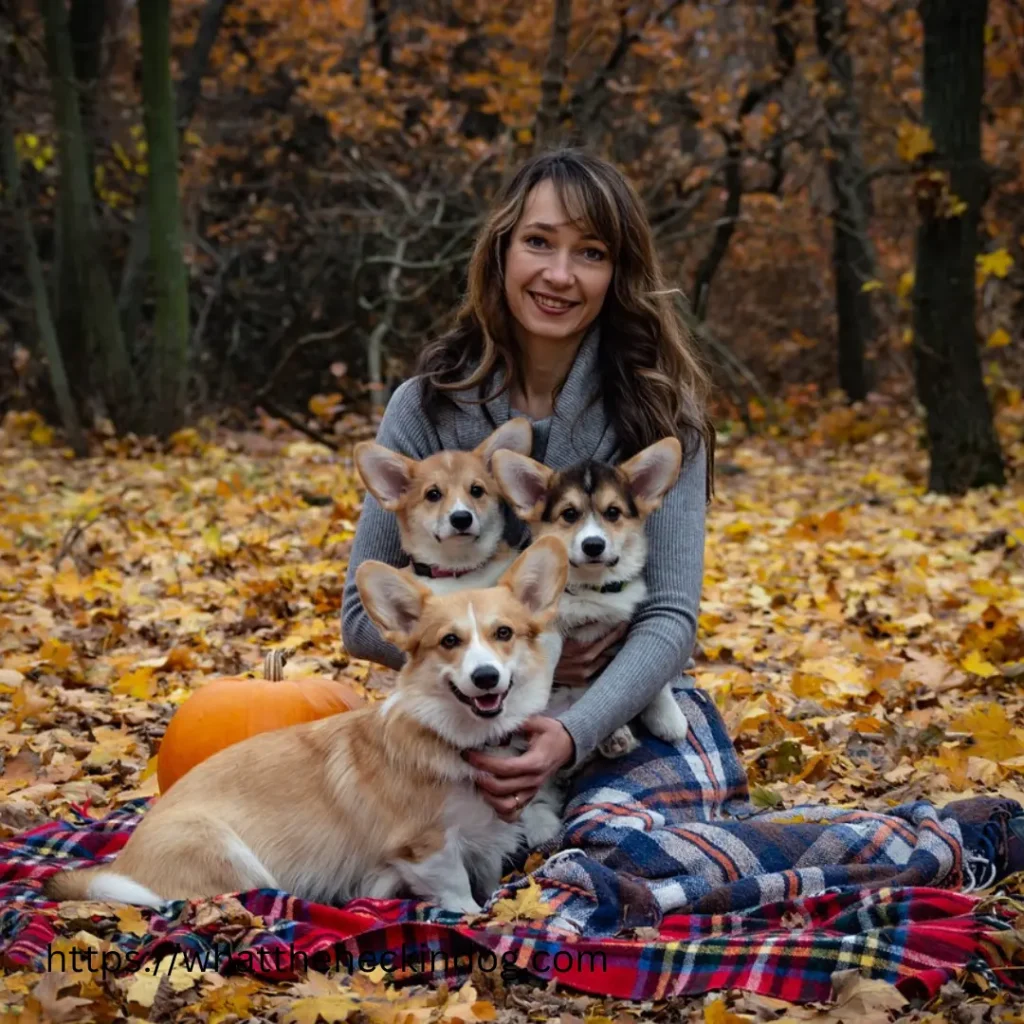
point(567, 321)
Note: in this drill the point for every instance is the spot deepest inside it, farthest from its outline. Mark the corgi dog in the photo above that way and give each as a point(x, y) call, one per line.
point(448, 507)
point(600, 511)
point(376, 802)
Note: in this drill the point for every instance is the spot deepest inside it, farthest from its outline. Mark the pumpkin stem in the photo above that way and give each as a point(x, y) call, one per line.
point(273, 664)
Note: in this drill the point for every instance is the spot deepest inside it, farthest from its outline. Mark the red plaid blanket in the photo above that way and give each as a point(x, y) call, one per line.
point(917, 938)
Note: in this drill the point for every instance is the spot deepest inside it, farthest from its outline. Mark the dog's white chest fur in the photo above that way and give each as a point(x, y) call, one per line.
point(587, 615)
point(484, 841)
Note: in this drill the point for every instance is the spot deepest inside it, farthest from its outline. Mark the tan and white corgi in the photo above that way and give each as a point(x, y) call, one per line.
point(448, 507)
point(600, 511)
point(376, 802)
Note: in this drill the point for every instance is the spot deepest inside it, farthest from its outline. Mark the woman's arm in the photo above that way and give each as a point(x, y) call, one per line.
point(660, 641)
point(403, 428)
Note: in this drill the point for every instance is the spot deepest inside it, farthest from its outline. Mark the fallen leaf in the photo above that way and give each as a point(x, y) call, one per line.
point(977, 665)
point(527, 904)
point(863, 1000)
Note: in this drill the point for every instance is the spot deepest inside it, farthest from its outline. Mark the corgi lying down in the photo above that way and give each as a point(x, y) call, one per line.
point(376, 802)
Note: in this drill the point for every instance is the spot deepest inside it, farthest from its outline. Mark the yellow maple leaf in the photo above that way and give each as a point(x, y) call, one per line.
point(42, 435)
point(995, 264)
point(29, 702)
point(130, 920)
point(526, 904)
point(56, 653)
point(999, 338)
point(717, 1013)
point(138, 683)
point(740, 528)
point(850, 679)
point(995, 739)
point(952, 762)
point(914, 140)
point(227, 997)
point(146, 983)
point(976, 663)
point(111, 744)
point(329, 1007)
point(323, 407)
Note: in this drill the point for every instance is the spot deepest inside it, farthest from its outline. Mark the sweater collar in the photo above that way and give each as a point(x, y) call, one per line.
point(578, 426)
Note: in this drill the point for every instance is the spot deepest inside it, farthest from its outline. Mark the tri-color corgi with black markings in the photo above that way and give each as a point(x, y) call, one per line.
point(599, 511)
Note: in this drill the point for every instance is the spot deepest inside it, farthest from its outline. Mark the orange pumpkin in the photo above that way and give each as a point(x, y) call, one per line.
point(230, 709)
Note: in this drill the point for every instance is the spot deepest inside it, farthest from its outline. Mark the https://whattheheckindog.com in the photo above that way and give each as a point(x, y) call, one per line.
point(409, 961)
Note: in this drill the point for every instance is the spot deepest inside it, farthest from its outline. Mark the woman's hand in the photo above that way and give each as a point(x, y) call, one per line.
point(510, 783)
point(581, 662)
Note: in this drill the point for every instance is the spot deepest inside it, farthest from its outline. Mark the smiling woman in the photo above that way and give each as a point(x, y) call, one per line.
point(556, 277)
point(568, 322)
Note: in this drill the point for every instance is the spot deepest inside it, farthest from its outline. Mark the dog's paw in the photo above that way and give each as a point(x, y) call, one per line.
point(620, 743)
point(668, 724)
point(540, 824)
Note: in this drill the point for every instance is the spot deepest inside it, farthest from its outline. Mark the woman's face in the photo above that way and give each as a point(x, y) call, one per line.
point(556, 276)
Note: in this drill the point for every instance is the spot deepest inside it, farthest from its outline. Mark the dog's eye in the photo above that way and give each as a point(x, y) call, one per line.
point(570, 515)
point(449, 640)
point(503, 633)
point(612, 513)
point(434, 494)
point(477, 491)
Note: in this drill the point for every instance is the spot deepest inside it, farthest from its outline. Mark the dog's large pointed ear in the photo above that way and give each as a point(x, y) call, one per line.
point(386, 474)
point(538, 576)
point(523, 482)
point(392, 598)
point(514, 436)
point(651, 473)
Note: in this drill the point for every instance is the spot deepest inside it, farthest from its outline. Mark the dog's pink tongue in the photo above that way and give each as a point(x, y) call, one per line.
point(488, 702)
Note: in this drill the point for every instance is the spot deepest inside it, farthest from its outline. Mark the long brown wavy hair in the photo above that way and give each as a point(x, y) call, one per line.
point(653, 383)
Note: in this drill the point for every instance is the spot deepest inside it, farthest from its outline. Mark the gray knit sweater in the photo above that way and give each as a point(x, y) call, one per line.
point(658, 647)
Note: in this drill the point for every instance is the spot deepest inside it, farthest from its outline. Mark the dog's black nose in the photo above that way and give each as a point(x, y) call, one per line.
point(592, 547)
point(485, 677)
point(461, 520)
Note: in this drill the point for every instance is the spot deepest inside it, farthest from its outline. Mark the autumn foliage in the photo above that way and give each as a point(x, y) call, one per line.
point(340, 157)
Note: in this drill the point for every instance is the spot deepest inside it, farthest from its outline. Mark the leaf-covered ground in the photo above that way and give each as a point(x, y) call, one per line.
point(864, 639)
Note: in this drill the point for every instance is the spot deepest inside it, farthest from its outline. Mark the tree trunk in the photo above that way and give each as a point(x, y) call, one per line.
point(962, 442)
point(86, 24)
point(853, 258)
point(44, 321)
point(87, 20)
point(79, 233)
point(381, 32)
point(550, 109)
point(133, 272)
point(170, 363)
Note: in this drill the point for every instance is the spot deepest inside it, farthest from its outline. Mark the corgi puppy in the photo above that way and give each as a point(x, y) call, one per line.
point(375, 802)
point(449, 511)
point(600, 512)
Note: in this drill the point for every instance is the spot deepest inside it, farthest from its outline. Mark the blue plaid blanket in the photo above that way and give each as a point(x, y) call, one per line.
point(669, 830)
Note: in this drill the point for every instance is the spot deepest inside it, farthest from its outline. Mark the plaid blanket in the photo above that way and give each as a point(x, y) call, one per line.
point(666, 883)
point(666, 830)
